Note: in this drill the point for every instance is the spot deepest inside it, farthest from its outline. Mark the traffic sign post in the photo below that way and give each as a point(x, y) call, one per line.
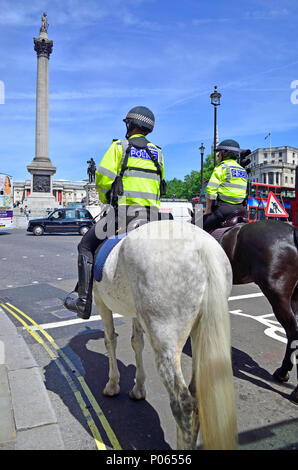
point(274, 207)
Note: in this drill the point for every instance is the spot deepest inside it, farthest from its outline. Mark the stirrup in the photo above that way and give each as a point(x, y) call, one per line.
point(82, 307)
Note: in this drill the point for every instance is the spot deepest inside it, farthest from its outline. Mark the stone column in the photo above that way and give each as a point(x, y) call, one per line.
point(41, 167)
point(43, 47)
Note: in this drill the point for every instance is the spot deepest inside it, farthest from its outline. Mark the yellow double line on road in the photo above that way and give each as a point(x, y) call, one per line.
point(55, 356)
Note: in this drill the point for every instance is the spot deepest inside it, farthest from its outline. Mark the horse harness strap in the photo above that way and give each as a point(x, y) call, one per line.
point(139, 143)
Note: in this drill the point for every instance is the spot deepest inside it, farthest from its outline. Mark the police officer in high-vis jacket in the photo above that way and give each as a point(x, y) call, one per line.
point(227, 187)
point(130, 178)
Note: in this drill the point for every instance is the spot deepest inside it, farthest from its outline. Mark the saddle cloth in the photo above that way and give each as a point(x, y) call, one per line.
point(218, 233)
point(103, 253)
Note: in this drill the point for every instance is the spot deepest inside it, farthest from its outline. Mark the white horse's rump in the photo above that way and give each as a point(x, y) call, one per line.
point(174, 279)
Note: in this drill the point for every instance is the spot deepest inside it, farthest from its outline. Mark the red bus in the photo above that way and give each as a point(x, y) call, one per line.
point(258, 196)
point(257, 200)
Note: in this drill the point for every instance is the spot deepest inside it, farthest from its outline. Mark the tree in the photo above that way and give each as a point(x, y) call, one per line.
point(175, 186)
point(191, 186)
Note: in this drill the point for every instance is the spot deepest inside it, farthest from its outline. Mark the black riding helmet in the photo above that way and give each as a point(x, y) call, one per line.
point(140, 117)
point(230, 147)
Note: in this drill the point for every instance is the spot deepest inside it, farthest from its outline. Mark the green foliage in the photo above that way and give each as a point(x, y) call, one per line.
point(175, 186)
point(191, 186)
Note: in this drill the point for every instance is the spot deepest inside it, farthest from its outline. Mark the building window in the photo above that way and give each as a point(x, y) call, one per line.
point(286, 179)
point(272, 155)
point(265, 154)
point(280, 154)
point(270, 178)
point(292, 180)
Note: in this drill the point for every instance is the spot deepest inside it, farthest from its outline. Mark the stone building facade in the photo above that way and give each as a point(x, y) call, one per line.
point(64, 191)
point(274, 165)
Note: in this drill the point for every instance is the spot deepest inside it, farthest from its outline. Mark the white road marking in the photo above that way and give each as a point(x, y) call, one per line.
point(273, 326)
point(247, 296)
point(46, 326)
point(76, 321)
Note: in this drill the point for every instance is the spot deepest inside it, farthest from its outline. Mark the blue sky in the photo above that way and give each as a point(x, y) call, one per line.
point(112, 55)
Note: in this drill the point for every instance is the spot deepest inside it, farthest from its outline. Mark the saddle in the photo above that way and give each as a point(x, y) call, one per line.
point(108, 245)
point(237, 217)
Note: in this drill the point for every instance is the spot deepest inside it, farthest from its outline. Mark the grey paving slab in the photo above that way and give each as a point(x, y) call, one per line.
point(17, 353)
point(7, 425)
point(40, 438)
point(14, 350)
point(31, 403)
point(7, 328)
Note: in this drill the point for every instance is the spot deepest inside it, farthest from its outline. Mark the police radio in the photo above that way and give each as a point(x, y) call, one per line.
point(243, 160)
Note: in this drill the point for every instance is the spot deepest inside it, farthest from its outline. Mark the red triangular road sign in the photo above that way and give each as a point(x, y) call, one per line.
point(274, 207)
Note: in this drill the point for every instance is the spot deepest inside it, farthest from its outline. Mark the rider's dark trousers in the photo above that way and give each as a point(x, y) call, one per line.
point(219, 214)
point(108, 225)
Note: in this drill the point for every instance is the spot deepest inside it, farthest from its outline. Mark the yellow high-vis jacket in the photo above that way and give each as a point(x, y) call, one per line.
point(141, 181)
point(228, 182)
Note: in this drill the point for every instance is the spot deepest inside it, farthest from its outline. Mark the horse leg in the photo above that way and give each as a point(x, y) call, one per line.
point(167, 351)
point(195, 425)
point(112, 387)
point(137, 342)
point(294, 355)
point(282, 301)
point(181, 401)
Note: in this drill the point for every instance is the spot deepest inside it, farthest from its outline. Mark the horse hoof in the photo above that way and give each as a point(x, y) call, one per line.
point(281, 377)
point(111, 391)
point(294, 396)
point(137, 396)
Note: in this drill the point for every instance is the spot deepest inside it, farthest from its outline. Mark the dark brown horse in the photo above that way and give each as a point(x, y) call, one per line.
point(266, 252)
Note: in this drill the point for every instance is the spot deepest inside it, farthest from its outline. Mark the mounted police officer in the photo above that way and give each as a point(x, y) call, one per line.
point(227, 187)
point(130, 178)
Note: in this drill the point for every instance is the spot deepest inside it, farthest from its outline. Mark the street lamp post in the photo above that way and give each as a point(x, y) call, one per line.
point(215, 101)
point(202, 148)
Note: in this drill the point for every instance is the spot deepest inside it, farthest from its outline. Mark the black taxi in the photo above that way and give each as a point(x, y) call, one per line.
point(62, 221)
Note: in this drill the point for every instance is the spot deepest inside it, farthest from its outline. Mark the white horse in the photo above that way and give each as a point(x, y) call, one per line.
point(174, 280)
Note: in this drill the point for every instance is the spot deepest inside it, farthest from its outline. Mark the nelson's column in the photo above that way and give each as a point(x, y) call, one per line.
point(41, 168)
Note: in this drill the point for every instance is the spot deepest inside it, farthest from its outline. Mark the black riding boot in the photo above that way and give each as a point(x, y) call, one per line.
point(82, 304)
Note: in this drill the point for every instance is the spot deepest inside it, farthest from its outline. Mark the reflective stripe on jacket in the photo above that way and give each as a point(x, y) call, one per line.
point(140, 186)
point(228, 182)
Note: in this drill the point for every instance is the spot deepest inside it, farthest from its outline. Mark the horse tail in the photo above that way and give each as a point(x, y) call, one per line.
point(213, 366)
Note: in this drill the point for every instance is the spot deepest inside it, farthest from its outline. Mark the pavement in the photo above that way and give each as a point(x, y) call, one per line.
point(27, 417)
point(20, 221)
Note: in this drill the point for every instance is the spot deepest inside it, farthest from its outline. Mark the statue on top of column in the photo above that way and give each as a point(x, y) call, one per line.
point(45, 24)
